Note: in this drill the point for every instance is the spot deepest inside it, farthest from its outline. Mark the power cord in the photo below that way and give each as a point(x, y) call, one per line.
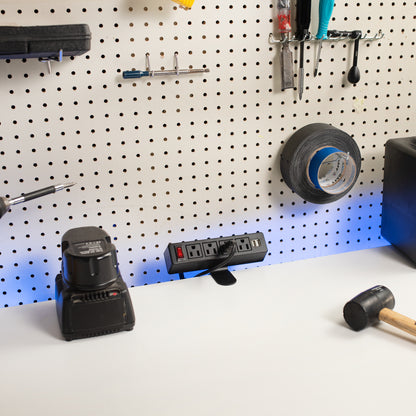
point(228, 245)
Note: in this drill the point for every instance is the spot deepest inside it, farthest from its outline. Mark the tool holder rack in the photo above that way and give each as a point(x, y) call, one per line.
point(176, 71)
point(379, 35)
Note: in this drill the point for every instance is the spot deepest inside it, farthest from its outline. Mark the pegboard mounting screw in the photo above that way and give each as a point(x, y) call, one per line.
point(57, 58)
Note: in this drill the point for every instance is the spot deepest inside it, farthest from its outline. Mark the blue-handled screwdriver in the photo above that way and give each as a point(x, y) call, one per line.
point(140, 74)
point(325, 11)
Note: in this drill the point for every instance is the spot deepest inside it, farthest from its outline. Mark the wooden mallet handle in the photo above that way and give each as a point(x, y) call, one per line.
point(398, 320)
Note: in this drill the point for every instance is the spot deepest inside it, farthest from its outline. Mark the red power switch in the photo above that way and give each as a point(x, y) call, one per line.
point(179, 252)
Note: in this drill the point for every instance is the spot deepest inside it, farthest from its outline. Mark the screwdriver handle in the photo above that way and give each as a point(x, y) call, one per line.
point(303, 19)
point(4, 205)
point(325, 11)
point(136, 74)
point(34, 194)
point(283, 16)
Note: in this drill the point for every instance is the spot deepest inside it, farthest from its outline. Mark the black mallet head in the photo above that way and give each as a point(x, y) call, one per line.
point(363, 310)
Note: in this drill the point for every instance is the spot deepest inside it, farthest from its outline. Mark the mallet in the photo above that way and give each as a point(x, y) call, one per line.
point(375, 305)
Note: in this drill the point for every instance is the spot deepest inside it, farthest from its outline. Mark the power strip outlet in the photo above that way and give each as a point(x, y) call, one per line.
point(203, 254)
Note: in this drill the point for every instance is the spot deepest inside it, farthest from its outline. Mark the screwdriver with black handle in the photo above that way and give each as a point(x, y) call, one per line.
point(303, 20)
point(5, 203)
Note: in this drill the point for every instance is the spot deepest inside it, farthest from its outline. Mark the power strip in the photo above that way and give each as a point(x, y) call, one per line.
point(204, 254)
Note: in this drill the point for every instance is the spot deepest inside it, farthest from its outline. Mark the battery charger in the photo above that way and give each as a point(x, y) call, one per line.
point(91, 297)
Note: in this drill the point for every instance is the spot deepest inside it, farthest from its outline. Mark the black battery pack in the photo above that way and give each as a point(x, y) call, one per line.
point(48, 42)
point(91, 297)
point(398, 220)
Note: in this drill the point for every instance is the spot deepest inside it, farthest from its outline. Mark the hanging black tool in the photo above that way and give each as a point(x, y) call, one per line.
point(303, 20)
point(354, 72)
point(5, 203)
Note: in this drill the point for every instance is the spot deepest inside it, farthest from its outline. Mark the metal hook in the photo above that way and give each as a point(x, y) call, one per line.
point(176, 65)
point(147, 61)
point(377, 36)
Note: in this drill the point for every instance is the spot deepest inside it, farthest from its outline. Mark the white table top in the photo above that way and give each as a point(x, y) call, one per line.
point(273, 344)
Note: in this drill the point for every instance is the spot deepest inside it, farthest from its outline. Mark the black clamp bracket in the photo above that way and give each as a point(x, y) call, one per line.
point(223, 277)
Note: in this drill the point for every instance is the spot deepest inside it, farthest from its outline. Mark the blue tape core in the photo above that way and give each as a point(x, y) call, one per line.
point(316, 163)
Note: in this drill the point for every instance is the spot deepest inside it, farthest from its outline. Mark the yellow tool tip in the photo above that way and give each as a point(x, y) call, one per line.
point(187, 4)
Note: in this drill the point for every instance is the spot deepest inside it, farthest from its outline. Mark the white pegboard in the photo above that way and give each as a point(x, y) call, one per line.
point(165, 159)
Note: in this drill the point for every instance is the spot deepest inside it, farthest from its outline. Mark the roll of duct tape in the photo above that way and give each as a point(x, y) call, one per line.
point(320, 163)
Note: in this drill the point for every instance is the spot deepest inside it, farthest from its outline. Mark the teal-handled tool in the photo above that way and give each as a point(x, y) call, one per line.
point(325, 11)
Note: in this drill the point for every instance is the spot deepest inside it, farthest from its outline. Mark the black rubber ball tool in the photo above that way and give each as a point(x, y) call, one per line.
point(354, 72)
point(376, 305)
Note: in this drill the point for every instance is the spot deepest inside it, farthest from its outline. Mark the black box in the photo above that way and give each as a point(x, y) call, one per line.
point(398, 221)
point(18, 42)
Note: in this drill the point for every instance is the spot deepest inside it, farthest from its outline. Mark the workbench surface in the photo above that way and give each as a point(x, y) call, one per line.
point(275, 343)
